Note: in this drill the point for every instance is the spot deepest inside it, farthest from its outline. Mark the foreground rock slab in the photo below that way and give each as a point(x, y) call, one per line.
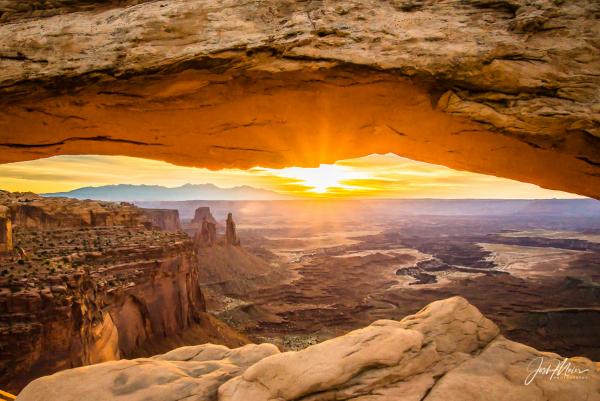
point(446, 351)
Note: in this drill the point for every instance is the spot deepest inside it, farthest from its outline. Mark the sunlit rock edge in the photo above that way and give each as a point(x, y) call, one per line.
point(446, 351)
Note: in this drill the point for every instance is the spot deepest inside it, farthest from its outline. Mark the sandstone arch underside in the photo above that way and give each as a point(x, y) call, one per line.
point(503, 87)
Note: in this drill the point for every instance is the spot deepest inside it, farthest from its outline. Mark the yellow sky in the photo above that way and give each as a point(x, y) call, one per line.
point(374, 176)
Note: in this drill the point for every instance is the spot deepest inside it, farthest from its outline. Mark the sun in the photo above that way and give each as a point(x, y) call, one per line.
point(320, 180)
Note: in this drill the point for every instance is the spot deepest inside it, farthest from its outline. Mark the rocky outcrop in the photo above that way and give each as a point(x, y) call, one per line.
point(75, 296)
point(506, 87)
point(164, 219)
point(203, 213)
point(207, 235)
point(6, 244)
point(29, 210)
point(447, 351)
point(231, 237)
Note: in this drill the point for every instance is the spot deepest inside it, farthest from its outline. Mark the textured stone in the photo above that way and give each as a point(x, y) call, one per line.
point(451, 352)
point(6, 242)
point(231, 237)
point(163, 219)
point(194, 373)
point(507, 87)
point(84, 289)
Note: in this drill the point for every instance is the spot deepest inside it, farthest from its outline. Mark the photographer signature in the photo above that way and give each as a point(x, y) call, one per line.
point(560, 369)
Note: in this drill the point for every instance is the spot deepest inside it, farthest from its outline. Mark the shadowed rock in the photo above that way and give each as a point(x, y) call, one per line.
point(207, 236)
point(203, 213)
point(231, 237)
point(446, 351)
point(6, 243)
point(508, 88)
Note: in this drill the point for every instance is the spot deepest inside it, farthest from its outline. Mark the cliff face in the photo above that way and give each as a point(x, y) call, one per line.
point(29, 210)
point(164, 219)
point(6, 244)
point(231, 237)
point(447, 351)
point(503, 87)
point(81, 295)
point(203, 213)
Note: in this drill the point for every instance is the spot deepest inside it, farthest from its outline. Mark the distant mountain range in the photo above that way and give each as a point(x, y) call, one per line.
point(127, 192)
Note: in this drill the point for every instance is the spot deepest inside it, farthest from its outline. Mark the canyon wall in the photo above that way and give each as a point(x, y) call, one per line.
point(30, 210)
point(83, 294)
point(163, 219)
point(6, 244)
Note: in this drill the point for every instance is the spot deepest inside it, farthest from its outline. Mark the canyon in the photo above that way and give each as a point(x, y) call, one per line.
point(292, 301)
point(91, 281)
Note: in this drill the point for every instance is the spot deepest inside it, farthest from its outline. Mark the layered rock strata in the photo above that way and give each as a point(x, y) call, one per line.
point(164, 219)
point(74, 296)
point(6, 244)
point(32, 211)
point(502, 87)
point(447, 351)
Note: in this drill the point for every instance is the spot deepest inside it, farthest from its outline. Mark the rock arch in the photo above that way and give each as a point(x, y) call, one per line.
point(504, 87)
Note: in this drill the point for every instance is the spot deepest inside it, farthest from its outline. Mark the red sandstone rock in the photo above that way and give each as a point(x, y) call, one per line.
point(231, 237)
point(201, 213)
point(164, 219)
point(91, 290)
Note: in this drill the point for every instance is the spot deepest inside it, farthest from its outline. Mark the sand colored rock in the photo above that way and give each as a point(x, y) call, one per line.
point(451, 352)
point(499, 372)
point(192, 372)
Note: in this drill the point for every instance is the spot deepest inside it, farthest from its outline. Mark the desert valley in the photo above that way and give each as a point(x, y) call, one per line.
point(122, 281)
point(284, 200)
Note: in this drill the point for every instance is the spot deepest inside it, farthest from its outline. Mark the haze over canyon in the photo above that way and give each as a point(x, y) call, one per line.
point(379, 200)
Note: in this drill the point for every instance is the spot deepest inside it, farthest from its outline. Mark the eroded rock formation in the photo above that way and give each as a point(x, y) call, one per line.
point(203, 213)
point(447, 351)
point(32, 211)
point(164, 219)
point(506, 87)
point(88, 293)
point(206, 226)
point(231, 237)
point(6, 244)
point(207, 235)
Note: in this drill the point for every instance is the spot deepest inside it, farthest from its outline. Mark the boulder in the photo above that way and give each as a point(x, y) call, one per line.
point(447, 351)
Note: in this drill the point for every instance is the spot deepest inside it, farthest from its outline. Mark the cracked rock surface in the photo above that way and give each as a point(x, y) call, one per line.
point(503, 87)
point(446, 351)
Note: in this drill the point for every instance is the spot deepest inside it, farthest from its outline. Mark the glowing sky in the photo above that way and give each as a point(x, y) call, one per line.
point(374, 176)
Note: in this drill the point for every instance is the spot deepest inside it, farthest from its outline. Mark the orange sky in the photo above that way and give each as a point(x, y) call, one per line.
point(374, 176)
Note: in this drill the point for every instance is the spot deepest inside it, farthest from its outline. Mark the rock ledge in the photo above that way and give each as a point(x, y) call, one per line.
point(447, 351)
